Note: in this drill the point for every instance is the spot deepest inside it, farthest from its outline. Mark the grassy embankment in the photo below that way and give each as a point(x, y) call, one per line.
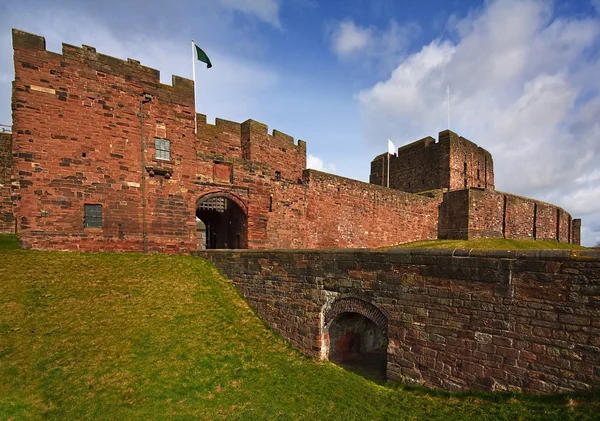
point(493, 244)
point(131, 336)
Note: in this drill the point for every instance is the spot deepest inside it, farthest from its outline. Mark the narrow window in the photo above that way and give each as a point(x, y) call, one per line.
point(277, 175)
point(162, 149)
point(271, 203)
point(478, 174)
point(92, 216)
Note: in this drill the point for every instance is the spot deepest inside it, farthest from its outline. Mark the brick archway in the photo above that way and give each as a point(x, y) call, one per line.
point(355, 336)
point(221, 221)
point(355, 305)
point(227, 195)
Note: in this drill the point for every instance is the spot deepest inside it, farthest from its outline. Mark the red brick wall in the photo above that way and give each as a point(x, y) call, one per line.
point(519, 217)
point(416, 167)
point(452, 163)
point(497, 214)
point(7, 221)
point(486, 214)
point(546, 222)
point(576, 231)
point(278, 149)
point(457, 320)
point(78, 141)
point(465, 154)
point(454, 215)
point(347, 213)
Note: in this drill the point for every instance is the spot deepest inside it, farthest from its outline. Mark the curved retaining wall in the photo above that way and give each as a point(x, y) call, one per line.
point(457, 319)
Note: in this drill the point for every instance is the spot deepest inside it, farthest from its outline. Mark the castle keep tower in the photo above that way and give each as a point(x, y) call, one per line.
point(453, 163)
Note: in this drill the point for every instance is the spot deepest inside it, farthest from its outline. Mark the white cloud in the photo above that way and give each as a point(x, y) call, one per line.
point(350, 41)
point(523, 86)
point(265, 10)
point(316, 163)
point(348, 38)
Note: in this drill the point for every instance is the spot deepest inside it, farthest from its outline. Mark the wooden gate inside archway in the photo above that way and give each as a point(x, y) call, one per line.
point(222, 222)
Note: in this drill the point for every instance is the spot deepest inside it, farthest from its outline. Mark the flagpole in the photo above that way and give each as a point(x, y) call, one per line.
point(194, 76)
point(388, 171)
point(448, 92)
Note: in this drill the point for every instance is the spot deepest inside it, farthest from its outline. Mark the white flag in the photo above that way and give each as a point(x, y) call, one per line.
point(391, 147)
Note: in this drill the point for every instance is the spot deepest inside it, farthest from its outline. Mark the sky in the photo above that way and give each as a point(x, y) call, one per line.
point(344, 75)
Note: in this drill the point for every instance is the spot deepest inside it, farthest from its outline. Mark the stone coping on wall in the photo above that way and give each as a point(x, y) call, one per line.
point(554, 255)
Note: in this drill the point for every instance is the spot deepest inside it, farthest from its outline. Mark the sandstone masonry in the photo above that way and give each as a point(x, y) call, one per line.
point(454, 319)
point(7, 222)
point(105, 157)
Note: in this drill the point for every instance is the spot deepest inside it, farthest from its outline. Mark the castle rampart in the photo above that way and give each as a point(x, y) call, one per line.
point(105, 158)
point(521, 321)
point(483, 213)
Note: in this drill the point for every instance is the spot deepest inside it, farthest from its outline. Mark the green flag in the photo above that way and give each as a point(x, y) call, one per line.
point(203, 57)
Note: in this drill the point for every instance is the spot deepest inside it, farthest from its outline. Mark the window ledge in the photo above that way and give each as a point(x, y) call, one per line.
point(158, 170)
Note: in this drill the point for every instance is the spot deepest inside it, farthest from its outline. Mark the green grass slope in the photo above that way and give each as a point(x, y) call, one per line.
point(142, 337)
point(493, 244)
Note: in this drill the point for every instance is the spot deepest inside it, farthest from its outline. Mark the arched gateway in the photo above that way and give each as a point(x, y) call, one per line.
point(224, 223)
point(357, 335)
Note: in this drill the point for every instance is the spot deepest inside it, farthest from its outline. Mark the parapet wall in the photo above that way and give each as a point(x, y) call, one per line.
point(483, 213)
point(7, 220)
point(456, 319)
point(251, 141)
point(347, 213)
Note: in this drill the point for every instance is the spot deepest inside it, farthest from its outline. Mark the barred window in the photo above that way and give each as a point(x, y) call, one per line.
point(163, 149)
point(92, 216)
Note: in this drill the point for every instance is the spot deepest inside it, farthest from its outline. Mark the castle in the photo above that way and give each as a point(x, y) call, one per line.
point(104, 157)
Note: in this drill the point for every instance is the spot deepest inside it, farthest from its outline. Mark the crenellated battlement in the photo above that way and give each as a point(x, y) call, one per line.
point(251, 141)
point(129, 69)
point(452, 163)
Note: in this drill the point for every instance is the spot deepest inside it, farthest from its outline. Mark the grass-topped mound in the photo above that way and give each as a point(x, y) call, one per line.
point(92, 336)
point(493, 244)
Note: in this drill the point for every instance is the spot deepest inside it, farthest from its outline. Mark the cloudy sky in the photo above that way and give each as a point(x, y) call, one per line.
point(344, 75)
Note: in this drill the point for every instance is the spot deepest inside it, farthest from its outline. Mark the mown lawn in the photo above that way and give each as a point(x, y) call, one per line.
point(91, 336)
point(493, 244)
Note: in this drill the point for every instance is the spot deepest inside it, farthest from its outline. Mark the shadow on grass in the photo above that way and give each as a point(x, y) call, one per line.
point(499, 397)
point(9, 242)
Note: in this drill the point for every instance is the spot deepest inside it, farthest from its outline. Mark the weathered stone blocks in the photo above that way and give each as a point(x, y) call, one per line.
point(446, 328)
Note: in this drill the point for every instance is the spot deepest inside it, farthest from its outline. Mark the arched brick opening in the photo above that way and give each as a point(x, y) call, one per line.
point(355, 336)
point(221, 221)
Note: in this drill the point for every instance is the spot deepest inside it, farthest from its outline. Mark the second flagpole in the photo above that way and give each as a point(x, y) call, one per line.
point(194, 76)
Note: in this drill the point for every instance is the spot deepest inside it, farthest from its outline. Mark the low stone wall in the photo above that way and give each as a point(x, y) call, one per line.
point(454, 319)
point(7, 220)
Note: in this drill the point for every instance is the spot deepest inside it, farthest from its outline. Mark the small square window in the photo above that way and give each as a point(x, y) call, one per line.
point(277, 175)
point(163, 149)
point(92, 216)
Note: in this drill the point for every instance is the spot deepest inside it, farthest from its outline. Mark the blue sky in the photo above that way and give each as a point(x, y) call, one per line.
point(346, 74)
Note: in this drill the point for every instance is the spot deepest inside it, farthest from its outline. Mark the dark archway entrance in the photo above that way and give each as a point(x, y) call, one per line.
point(224, 222)
point(357, 332)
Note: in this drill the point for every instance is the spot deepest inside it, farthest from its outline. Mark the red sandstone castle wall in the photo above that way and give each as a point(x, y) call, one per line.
point(469, 164)
point(78, 141)
point(454, 215)
point(453, 163)
point(349, 213)
point(7, 222)
point(484, 213)
point(497, 214)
